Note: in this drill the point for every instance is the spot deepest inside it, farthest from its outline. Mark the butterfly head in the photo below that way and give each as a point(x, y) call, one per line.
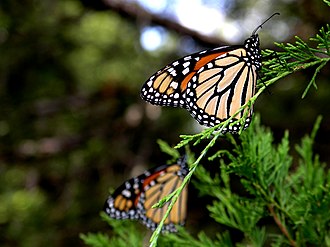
point(252, 47)
point(182, 162)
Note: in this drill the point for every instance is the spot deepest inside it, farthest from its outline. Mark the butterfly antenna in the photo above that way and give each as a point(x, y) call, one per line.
point(260, 26)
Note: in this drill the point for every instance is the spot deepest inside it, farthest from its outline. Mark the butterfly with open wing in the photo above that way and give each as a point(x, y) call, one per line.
point(135, 197)
point(212, 85)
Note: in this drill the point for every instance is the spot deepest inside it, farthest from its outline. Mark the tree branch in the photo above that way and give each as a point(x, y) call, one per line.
point(135, 12)
point(281, 226)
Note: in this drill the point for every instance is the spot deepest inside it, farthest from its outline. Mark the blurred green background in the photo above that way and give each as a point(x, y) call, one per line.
point(72, 123)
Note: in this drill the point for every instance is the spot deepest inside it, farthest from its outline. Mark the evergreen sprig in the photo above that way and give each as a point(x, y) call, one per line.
point(124, 234)
point(294, 195)
point(184, 239)
point(298, 56)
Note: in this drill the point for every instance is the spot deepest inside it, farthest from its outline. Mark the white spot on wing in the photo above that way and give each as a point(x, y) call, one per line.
point(186, 64)
point(209, 65)
point(126, 193)
point(185, 71)
point(174, 85)
point(173, 73)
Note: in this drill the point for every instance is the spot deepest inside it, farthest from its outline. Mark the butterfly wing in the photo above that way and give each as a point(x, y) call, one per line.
point(134, 198)
point(123, 203)
point(220, 87)
point(157, 187)
point(166, 87)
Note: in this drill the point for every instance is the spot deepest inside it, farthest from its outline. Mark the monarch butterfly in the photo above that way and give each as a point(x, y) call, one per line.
point(212, 84)
point(135, 197)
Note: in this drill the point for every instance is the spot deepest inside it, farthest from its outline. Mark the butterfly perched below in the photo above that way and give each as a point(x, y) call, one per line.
point(212, 85)
point(134, 198)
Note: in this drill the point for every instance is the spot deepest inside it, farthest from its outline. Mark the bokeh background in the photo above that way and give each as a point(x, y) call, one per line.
point(72, 123)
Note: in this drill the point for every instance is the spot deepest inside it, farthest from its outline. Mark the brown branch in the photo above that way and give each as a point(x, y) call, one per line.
point(135, 12)
point(281, 226)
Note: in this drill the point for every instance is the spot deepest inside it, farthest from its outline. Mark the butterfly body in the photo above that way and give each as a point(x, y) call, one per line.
point(135, 197)
point(212, 85)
